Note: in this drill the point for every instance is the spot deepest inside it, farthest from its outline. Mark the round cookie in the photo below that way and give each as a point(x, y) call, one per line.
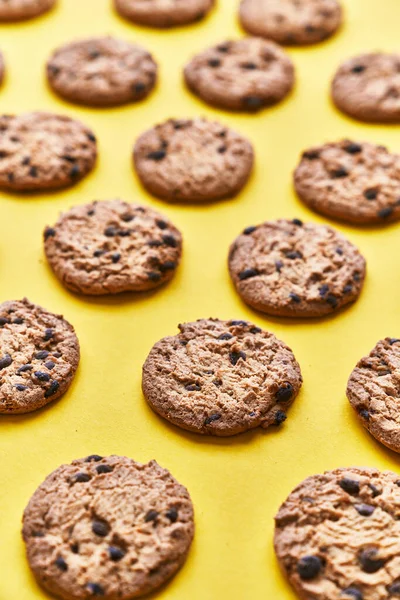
point(221, 377)
point(112, 246)
point(101, 71)
point(337, 536)
point(44, 151)
point(242, 75)
point(193, 160)
point(39, 355)
point(355, 182)
point(373, 392)
point(161, 13)
point(107, 527)
point(18, 10)
point(291, 21)
point(367, 87)
point(294, 269)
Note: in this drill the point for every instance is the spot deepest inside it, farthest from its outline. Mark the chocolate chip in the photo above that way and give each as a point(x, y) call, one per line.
point(25, 368)
point(370, 194)
point(93, 458)
point(115, 257)
point(393, 341)
point(100, 528)
point(339, 173)
point(358, 69)
point(38, 534)
point(309, 567)
point(49, 232)
point(42, 376)
point(374, 490)
point(214, 62)
point(104, 469)
point(124, 232)
point(74, 548)
point(49, 365)
point(56, 354)
point(192, 387)
point(172, 514)
point(212, 418)
point(41, 355)
point(394, 589)
point(364, 414)
point(139, 87)
point(323, 290)
point(154, 243)
point(151, 515)
point(68, 158)
point(4, 321)
point(248, 273)
point(110, 231)
point(33, 172)
point(222, 149)
point(18, 321)
point(252, 102)
point(350, 486)
point(347, 288)
point(10, 177)
point(339, 251)
point(224, 48)
point(169, 265)
point(115, 553)
point(297, 222)
point(310, 154)
point(48, 334)
point(95, 589)
point(238, 323)
point(157, 155)
point(74, 172)
point(90, 213)
point(225, 336)
point(332, 300)
point(284, 393)
point(235, 356)
point(280, 417)
point(250, 66)
point(295, 298)
point(98, 253)
point(52, 389)
point(353, 592)
point(91, 137)
point(293, 254)
point(365, 510)
point(249, 230)
point(61, 564)
point(255, 330)
point(369, 561)
point(161, 224)
point(278, 265)
point(384, 213)
point(5, 361)
point(82, 478)
point(353, 148)
point(169, 240)
point(127, 218)
point(153, 276)
point(21, 388)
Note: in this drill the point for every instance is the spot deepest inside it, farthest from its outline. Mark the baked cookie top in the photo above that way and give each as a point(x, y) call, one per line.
point(108, 527)
point(221, 377)
point(295, 269)
point(337, 536)
point(162, 13)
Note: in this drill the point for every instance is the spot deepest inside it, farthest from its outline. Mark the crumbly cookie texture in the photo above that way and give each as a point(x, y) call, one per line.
point(367, 87)
point(112, 246)
point(101, 71)
point(291, 21)
point(107, 527)
point(163, 13)
point(18, 10)
point(357, 182)
point(193, 160)
point(242, 75)
point(295, 269)
point(40, 151)
point(221, 377)
point(39, 355)
point(337, 536)
point(373, 390)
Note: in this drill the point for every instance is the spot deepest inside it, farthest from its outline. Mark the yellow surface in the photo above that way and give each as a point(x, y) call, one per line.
point(236, 484)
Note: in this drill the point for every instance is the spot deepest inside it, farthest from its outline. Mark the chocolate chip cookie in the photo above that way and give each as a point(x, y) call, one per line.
point(161, 13)
point(44, 151)
point(294, 269)
point(101, 71)
point(291, 21)
point(357, 182)
point(337, 536)
point(242, 75)
point(373, 390)
point(112, 246)
point(193, 160)
point(221, 377)
point(107, 527)
point(18, 10)
point(367, 87)
point(39, 355)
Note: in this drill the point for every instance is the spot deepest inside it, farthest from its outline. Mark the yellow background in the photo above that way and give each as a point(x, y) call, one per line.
point(236, 484)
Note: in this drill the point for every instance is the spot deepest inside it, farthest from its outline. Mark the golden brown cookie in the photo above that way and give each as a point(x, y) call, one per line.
point(163, 13)
point(107, 527)
point(19, 10)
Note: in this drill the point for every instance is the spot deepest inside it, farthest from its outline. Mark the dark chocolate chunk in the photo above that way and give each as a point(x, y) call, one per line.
point(353, 592)
point(41, 354)
point(54, 385)
point(93, 458)
point(339, 173)
point(353, 148)
point(369, 561)
point(248, 273)
point(61, 564)
point(172, 514)
point(309, 567)
point(42, 376)
point(249, 230)
point(95, 589)
point(151, 515)
point(157, 155)
point(169, 240)
point(252, 102)
point(365, 510)
point(358, 69)
point(115, 257)
point(74, 172)
point(82, 477)
point(153, 276)
point(49, 232)
point(5, 361)
point(225, 336)
point(25, 368)
point(212, 418)
point(115, 553)
point(21, 388)
point(110, 231)
point(214, 62)
point(280, 417)
point(48, 334)
point(104, 469)
point(295, 298)
point(370, 194)
point(350, 486)
point(235, 356)
point(100, 528)
point(384, 213)
point(193, 387)
point(284, 393)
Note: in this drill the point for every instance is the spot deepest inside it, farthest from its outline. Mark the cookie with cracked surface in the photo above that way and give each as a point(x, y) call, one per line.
point(295, 269)
point(291, 21)
point(112, 246)
point(373, 391)
point(161, 13)
point(221, 377)
point(193, 160)
point(241, 75)
point(367, 87)
point(19, 10)
point(357, 182)
point(337, 536)
point(101, 71)
point(39, 355)
point(44, 151)
point(107, 527)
